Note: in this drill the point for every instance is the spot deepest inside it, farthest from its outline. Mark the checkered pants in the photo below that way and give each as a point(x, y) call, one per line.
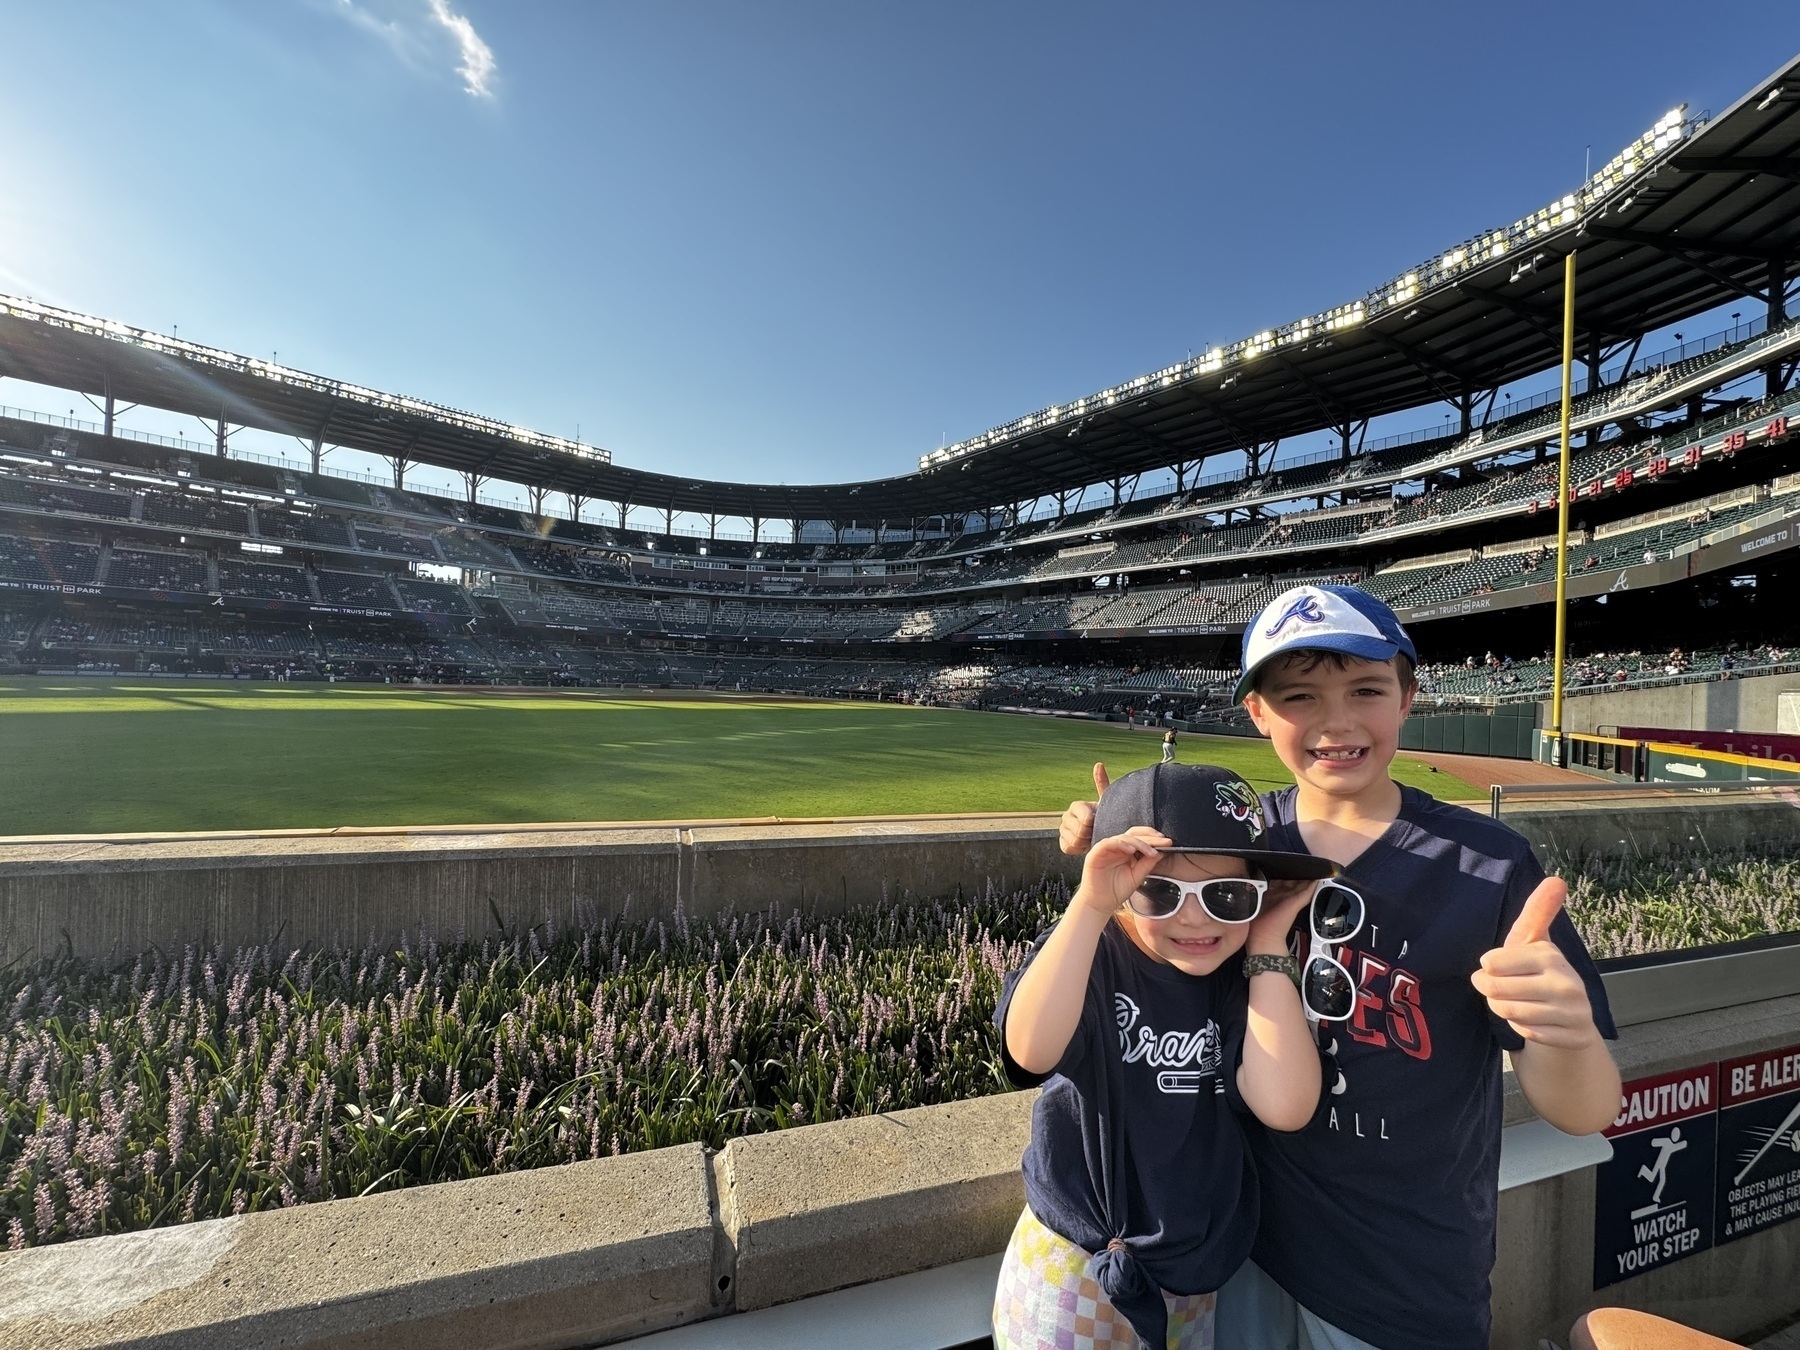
point(1048, 1299)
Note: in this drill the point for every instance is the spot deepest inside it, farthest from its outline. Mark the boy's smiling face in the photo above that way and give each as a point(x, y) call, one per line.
point(1335, 723)
point(1190, 939)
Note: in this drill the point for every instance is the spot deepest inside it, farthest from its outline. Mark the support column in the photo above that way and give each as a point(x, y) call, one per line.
point(473, 481)
point(400, 463)
point(669, 520)
point(576, 502)
point(624, 510)
point(223, 450)
point(318, 452)
point(1777, 284)
point(537, 495)
point(109, 410)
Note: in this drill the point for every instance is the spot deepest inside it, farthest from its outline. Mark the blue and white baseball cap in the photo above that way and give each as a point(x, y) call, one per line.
point(1322, 619)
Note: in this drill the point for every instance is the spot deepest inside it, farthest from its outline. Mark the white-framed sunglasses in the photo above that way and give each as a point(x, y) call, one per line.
point(1227, 899)
point(1335, 916)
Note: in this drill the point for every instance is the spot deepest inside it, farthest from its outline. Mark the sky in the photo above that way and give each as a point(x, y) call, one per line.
point(793, 242)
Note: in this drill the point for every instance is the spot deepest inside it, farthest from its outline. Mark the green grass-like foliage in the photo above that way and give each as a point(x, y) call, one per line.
point(206, 1084)
point(1627, 906)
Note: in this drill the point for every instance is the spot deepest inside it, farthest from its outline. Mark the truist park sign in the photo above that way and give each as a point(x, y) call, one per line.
point(1701, 1157)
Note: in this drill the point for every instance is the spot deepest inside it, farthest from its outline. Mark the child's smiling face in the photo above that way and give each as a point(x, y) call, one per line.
point(1334, 723)
point(1190, 939)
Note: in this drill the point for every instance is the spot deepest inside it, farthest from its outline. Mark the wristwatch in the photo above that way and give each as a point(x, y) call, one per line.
point(1272, 965)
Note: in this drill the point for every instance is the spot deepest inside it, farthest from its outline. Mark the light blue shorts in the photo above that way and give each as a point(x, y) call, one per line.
point(1255, 1313)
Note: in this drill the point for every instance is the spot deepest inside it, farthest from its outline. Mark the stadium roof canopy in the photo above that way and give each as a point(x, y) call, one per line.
point(1691, 215)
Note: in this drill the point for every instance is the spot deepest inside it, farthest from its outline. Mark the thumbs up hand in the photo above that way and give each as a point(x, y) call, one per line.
point(1530, 983)
point(1075, 834)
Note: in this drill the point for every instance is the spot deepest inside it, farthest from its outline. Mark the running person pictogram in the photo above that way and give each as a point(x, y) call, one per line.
point(1658, 1172)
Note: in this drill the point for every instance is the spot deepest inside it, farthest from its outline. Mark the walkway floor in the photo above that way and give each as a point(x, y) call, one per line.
point(1483, 771)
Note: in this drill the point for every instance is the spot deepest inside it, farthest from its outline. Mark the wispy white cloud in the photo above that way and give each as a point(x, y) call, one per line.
point(424, 34)
point(477, 68)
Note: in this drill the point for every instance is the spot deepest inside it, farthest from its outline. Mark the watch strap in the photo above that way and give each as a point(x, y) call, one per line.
point(1272, 965)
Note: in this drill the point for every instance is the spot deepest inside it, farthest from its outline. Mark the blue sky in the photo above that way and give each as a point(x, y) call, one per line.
point(792, 242)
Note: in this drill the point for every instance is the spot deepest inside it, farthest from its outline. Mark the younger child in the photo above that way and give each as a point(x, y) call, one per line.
point(1151, 1033)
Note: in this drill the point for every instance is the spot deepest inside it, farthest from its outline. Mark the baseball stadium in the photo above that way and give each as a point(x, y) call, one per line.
point(403, 796)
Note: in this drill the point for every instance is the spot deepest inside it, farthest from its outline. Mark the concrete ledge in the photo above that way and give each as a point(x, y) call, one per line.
point(557, 1257)
point(826, 1206)
point(928, 1310)
point(1651, 993)
point(105, 898)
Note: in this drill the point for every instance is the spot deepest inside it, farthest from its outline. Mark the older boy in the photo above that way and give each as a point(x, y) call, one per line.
point(1378, 1218)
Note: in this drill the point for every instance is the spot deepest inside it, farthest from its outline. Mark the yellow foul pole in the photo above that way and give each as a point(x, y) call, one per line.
point(1562, 513)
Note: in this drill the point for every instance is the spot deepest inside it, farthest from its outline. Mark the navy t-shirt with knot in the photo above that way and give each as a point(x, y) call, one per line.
point(1136, 1135)
point(1379, 1215)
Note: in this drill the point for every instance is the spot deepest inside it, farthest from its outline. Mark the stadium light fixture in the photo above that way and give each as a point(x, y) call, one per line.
point(1642, 156)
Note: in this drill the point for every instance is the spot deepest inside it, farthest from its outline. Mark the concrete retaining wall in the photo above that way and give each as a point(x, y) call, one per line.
point(602, 1251)
point(108, 897)
point(111, 897)
point(1656, 825)
point(1716, 705)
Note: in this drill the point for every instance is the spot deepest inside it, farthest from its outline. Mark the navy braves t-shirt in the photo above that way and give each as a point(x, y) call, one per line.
point(1379, 1215)
point(1136, 1134)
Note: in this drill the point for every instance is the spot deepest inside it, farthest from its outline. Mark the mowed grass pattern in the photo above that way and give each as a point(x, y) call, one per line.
point(117, 756)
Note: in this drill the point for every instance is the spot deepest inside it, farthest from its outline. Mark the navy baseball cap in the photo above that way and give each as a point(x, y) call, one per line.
point(1322, 619)
point(1204, 810)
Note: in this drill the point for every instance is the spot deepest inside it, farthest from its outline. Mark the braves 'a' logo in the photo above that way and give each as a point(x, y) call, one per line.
point(1305, 610)
point(1239, 802)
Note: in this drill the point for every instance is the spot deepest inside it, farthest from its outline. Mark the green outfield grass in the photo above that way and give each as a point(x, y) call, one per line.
point(129, 755)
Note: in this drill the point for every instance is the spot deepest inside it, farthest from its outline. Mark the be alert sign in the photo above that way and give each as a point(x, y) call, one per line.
point(1758, 1180)
point(1654, 1199)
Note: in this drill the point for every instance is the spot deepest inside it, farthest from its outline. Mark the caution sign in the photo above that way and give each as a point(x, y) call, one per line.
point(1759, 1142)
point(1653, 1200)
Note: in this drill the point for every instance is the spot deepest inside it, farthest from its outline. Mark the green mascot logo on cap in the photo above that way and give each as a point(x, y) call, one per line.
point(1239, 801)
